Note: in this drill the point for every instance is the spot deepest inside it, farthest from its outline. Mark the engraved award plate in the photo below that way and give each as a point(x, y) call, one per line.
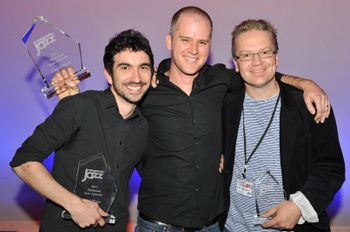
point(268, 193)
point(95, 182)
point(51, 49)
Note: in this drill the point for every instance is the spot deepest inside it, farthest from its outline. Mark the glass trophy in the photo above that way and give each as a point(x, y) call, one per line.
point(51, 49)
point(95, 182)
point(267, 193)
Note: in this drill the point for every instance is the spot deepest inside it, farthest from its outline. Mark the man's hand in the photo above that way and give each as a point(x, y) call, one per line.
point(87, 213)
point(154, 80)
point(66, 83)
point(84, 212)
point(317, 101)
point(283, 216)
point(221, 165)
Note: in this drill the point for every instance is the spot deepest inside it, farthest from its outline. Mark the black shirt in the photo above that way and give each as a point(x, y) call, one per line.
point(181, 184)
point(82, 126)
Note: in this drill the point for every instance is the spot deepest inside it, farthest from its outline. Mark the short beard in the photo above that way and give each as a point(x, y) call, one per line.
point(126, 98)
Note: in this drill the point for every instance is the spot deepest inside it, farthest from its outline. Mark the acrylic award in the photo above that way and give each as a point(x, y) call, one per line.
point(268, 193)
point(95, 182)
point(51, 49)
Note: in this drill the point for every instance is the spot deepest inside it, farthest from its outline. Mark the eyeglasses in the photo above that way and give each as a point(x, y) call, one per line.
point(262, 55)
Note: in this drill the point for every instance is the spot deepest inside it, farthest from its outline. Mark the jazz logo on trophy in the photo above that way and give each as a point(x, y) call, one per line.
point(43, 42)
point(92, 174)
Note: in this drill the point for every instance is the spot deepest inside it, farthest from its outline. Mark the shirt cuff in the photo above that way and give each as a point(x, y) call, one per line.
point(308, 212)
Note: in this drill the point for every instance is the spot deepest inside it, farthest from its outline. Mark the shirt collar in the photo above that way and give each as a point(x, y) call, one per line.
point(109, 102)
point(108, 99)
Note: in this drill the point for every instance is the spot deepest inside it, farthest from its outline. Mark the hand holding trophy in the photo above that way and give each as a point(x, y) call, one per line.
point(94, 182)
point(268, 193)
point(65, 83)
point(51, 49)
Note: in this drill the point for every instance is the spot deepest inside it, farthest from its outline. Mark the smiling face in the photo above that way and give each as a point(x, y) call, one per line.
point(131, 76)
point(257, 73)
point(189, 44)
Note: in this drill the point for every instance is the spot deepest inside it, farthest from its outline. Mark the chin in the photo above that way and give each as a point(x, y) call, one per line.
point(191, 72)
point(136, 99)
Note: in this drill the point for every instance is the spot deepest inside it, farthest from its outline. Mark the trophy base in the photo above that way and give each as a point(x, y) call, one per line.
point(110, 219)
point(49, 91)
point(259, 220)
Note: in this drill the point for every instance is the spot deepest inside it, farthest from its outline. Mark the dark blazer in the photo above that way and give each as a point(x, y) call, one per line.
point(311, 157)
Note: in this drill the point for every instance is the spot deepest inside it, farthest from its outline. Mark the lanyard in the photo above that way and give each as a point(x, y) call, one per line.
point(260, 140)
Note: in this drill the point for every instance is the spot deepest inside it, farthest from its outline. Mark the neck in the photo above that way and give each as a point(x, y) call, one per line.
point(180, 79)
point(125, 108)
point(265, 92)
point(126, 111)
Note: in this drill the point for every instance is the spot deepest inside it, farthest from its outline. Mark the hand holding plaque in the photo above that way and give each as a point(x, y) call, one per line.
point(51, 49)
point(268, 193)
point(95, 182)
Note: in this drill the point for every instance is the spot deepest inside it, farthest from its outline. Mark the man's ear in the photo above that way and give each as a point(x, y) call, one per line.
point(236, 65)
point(168, 41)
point(108, 77)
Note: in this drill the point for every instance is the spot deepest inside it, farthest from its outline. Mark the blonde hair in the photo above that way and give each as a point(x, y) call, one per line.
point(253, 24)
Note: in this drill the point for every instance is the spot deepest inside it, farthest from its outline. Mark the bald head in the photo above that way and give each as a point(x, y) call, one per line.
point(194, 11)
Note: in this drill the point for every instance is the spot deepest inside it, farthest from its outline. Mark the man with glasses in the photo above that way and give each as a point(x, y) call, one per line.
point(282, 169)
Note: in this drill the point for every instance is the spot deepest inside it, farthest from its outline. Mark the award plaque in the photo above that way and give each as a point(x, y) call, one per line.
point(268, 193)
point(51, 49)
point(95, 182)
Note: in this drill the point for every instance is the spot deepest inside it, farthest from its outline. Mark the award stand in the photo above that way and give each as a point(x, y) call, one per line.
point(51, 49)
point(267, 193)
point(95, 182)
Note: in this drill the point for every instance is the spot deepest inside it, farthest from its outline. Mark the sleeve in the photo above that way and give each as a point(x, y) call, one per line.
point(327, 172)
point(50, 135)
point(278, 75)
point(308, 212)
point(236, 82)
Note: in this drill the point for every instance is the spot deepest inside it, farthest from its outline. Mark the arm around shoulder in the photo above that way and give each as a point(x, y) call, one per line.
point(317, 101)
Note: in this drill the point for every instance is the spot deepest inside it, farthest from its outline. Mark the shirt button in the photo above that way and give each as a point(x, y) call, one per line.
point(194, 120)
point(197, 189)
point(197, 166)
point(120, 143)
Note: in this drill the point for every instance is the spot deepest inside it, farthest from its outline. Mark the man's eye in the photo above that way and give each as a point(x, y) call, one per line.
point(266, 53)
point(124, 67)
point(245, 55)
point(145, 67)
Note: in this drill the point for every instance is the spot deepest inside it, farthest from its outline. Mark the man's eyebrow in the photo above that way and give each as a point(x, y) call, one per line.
point(123, 64)
point(145, 64)
point(129, 65)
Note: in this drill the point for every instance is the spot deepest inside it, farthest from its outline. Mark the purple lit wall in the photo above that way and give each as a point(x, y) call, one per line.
point(314, 40)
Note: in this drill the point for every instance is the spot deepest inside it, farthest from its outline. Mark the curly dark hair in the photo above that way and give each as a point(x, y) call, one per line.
point(129, 39)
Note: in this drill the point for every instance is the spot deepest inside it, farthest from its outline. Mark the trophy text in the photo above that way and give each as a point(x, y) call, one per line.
point(92, 174)
point(43, 42)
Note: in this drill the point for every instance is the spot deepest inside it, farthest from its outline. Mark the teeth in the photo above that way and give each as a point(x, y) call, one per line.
point(134, 87)
point(191, 58)
point(260, 70)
